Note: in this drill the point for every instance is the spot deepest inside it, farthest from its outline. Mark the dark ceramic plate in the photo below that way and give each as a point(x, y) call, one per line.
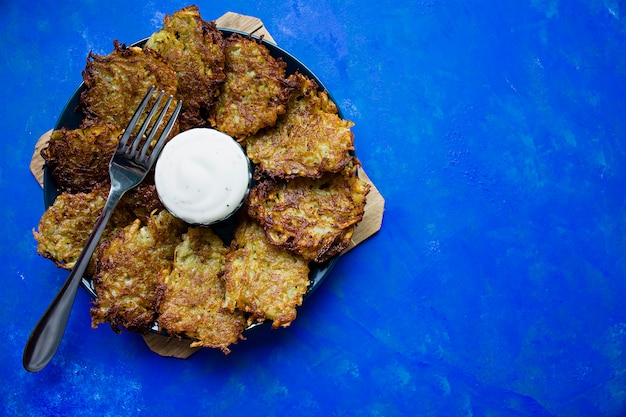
point(71, 118)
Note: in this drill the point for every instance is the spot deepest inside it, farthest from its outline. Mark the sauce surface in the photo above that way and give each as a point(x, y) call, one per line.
point(202, 176)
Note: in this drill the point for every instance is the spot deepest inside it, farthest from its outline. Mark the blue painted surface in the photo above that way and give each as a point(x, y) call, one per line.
point(494, 130)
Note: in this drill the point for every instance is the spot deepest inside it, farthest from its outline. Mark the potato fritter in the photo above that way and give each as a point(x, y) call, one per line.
point(255, 91)
point(262, 279)
point(66, 224)
point(193, 294)
point(314, 218)
point(309, 140)
point(128, 269)
point(78, 159)
point(116, 83)
point(193, 48)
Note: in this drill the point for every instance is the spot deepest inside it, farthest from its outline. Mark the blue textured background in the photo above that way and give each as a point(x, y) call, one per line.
point(494, 130)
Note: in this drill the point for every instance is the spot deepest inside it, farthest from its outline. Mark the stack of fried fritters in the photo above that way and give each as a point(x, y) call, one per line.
point(150, 267)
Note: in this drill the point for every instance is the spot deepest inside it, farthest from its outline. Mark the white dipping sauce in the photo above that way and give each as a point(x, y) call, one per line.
point(202, 176)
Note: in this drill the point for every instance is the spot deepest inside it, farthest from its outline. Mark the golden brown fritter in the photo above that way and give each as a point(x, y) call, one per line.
point(309, 140)
point(128, 269)
point(193, 48)
point(255, 91)
point(314, 218)
point(193, 293)
point(116, 83)
point(65, 226)
point(78, 159)
point(262, 279)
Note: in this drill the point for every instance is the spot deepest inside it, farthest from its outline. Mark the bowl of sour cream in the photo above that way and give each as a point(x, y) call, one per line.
point(202, 176)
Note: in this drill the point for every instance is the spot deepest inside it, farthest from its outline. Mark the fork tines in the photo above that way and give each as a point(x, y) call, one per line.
point(141, 138)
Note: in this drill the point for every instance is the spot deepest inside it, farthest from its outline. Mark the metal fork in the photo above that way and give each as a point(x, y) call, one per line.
point(127, 169)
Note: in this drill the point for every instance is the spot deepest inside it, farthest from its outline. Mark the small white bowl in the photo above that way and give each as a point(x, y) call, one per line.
point(202, 176)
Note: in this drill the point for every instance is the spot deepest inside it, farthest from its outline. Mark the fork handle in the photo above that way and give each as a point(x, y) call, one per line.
point(46, 337)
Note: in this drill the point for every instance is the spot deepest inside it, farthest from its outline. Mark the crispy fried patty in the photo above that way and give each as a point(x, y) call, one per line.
point(262, 279)
point(116, 83)
point(128, 270)
point(255, 91)
point(193, 48)
point(314, 218)
point(78, 159)
point(193, 293)
point(65, 225)
point(310, 139)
